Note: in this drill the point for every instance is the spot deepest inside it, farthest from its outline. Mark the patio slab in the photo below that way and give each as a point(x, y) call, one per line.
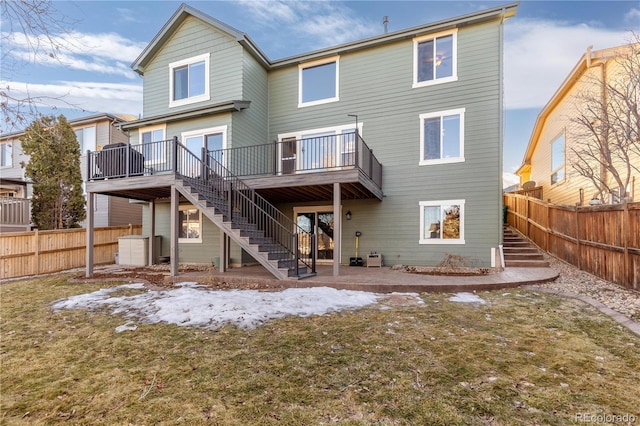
point(379, 280)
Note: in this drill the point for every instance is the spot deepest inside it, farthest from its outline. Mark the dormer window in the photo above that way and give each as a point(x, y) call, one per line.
point(318, 82)
point(434, 59)
point(189, 80)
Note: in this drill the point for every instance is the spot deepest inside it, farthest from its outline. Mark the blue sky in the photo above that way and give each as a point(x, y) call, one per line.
point(543, 42)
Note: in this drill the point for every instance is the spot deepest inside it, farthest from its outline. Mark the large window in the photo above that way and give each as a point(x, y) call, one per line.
point(190, 225)
point(6, 154)
point(318, 82)
point(557, 159)
point(86, 138)
point(442, 222)
point(442, 137)
point(213, 139)
point(434, 59)
point(189, 80)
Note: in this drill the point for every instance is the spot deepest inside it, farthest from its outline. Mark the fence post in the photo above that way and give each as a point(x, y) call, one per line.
point(36, 242)
point(626, 233)
point(578, 247)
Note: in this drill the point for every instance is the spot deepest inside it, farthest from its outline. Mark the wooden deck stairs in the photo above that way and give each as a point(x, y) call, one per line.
point(519, 252)
point(265, 250)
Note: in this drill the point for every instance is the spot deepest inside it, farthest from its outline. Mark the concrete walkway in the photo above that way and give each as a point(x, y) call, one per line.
point(379, 280)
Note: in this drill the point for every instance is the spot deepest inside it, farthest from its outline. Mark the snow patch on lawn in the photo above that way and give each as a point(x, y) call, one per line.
point(467, 298)
point(192, 305)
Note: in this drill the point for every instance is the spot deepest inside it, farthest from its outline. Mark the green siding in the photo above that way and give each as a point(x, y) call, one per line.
point(376, 85)
point(193, 38)
point(251, 125)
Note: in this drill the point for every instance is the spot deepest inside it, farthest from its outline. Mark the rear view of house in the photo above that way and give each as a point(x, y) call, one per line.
point(391, 144)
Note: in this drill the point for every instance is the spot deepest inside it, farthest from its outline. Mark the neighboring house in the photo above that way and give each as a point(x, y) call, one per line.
point(242, 159)
point(93, 132)
point(546, 167)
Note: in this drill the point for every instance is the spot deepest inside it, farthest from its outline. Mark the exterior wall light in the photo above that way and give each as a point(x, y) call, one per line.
point(348, 215)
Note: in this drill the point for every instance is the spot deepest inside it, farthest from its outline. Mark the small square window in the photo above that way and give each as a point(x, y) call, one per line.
point(318, 82)
point(442, 137)
point(6, 154)
point(86, 138)
point(435, 59)
point(442, 222)
point(189, 80)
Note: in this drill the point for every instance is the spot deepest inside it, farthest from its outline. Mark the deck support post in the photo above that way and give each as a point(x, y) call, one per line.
point(337, 229)
point(152, 231)
point(175, 225)
point(89, 231)
point(224, 253)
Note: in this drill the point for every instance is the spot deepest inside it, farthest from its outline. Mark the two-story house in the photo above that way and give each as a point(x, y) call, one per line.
point(93, 132)
point(549, 160)
point(391, 144)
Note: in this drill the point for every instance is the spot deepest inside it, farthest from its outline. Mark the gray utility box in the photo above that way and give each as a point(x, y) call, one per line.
point(374, 259)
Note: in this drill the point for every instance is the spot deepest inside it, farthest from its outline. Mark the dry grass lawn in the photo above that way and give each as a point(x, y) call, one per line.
point(523, 358)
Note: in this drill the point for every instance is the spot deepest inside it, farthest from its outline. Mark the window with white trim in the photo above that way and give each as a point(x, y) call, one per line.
point(213, 139)
point(557, 159)
point(154, 147)
point(318, 149)
point(435, 59)
point(442, 222)
point(318, 82)
point(189, 80)
point(442, 137)
point(189, 224)
point(86, 138)
point(6, 154)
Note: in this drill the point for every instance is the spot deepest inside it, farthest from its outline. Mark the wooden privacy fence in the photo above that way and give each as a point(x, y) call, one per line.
point(41, 252)
point(603, 240)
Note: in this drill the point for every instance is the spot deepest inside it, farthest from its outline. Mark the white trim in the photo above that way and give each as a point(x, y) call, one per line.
point(207, 131)
point(191, 240)
point(193, 99)
point(460, 112)
point(302, 67)
point(142, 130)
point(440, 203)
point(454, 54)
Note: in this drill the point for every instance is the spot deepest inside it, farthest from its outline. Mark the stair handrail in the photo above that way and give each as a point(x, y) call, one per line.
point(244, 199)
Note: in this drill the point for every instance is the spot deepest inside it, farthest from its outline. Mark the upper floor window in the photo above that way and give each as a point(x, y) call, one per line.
point(189, 80)
point(557, 159)
point(153, 145)
point(6, 154)
point(442, 137)
point(442, 222)
point(86, 138)
point(318, 82)
point(434, 59)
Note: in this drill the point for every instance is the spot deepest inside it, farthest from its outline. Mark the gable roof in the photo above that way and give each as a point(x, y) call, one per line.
point(184, 11)
point(179, 16)
point(587, 60)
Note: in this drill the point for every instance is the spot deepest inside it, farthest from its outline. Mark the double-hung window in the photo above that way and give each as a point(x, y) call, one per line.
point(557, 159)
point(434, 59)
point(189, 80)
point(190, 225)
point(318, 82)
point(6, 153)
point(86, 138)
point(442, 222)
point(154, 147)
point(442, 137)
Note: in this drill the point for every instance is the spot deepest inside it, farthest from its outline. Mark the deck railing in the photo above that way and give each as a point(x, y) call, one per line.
point(292, 156)
point(226, 191)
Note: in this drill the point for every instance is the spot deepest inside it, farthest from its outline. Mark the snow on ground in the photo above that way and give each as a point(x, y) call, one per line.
point(196, 306)
point(467, 298)
point(190, 304)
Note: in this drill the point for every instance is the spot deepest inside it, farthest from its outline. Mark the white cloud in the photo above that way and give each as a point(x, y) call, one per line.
point(633, 17)
point(509, 179)
point(539, 55)
point(315, 24)
point(104, 53)
point(89, 96)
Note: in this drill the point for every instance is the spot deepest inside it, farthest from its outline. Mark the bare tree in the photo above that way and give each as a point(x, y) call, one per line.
point(606, 149)
point(40, 28)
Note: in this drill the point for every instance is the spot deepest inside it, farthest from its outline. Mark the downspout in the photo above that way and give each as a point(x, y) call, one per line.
point(501, 136)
